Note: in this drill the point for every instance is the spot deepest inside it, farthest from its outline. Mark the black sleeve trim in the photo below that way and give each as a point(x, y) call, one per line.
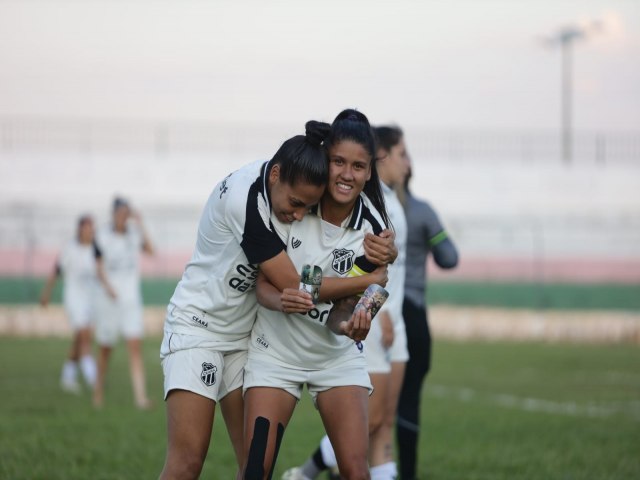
point(97, 253)
point(369, 217)
point(365, 265)
point(259, 241)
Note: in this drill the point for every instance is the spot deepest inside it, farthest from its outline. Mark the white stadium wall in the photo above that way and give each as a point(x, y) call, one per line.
point(513, 207)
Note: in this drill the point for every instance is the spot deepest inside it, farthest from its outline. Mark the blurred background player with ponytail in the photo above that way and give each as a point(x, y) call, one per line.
point(120, 309)
point(80, 263)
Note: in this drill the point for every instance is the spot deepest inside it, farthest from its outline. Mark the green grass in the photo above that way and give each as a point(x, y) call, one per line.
point(531, 295)
point(490, 411)
point(158, 291)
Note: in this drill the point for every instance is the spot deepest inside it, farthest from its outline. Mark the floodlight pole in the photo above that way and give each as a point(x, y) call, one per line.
point(567, 97)
point(566, 38)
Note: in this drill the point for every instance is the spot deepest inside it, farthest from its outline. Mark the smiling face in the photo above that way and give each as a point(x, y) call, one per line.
point(349, 170)
point(291, 202)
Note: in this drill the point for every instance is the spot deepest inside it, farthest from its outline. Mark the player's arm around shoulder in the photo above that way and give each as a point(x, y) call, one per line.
point(289, 300)
point(381, 249)
point(370, 269)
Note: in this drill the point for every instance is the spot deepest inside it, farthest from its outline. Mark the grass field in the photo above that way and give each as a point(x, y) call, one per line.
point(157, 291)
point(490, 410)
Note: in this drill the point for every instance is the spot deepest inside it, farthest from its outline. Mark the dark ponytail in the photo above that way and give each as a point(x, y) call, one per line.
point(354, 126)
point(388, 137)
point(304, 157)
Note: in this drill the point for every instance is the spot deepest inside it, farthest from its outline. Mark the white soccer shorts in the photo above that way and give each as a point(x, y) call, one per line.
point(194, 364)
point(260, 371)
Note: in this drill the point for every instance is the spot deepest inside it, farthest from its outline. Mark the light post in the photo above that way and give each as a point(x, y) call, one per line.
point(566, 37)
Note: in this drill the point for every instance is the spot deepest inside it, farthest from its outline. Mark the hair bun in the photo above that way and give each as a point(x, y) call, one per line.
point(316, 132)
point(352, 115)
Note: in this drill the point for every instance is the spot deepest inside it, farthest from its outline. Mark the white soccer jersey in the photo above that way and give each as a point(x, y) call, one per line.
point(395, 285)
point(121, 260)
point(77, 263)
point(215, 297)
point(303, 340)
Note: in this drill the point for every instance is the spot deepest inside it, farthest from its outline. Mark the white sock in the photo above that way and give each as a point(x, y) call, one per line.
point(328, 455)
point(386, 471)
point(70, 372)
point(89, 369)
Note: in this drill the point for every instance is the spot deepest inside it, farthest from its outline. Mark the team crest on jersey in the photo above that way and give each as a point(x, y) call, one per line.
point(342, 260)
point(208, 374)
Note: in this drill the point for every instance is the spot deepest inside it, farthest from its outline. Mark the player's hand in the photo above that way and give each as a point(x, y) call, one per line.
point(380, 276)
point(295, 301)
point(381, 249)
point(386, 325)
point(358, 326)
point(112, 293)
point(135, 215)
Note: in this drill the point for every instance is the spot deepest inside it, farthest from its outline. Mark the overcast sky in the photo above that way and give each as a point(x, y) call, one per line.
point(476, 63)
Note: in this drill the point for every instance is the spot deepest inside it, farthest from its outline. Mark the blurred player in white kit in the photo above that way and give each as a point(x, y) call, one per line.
point(120, 310)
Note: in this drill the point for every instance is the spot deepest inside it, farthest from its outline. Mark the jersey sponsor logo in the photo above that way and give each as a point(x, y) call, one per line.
point(295, 242)
point(245, 277)
point(200, 321)
point(342, 260)
point(320, 316)
point(223, 186)
point(208, 374)
point(262, 342)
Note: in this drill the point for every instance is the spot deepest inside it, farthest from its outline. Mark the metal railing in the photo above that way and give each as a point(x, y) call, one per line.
point(159, 138)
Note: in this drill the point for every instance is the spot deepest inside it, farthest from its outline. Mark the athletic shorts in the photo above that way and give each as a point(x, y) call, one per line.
point(378, 357)
point(80, 314)
point(399, 351)
point(260, 371)
point(118, 318)
point(194, 364)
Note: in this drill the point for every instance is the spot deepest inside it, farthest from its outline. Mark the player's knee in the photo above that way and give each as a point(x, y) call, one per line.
point(185, 466)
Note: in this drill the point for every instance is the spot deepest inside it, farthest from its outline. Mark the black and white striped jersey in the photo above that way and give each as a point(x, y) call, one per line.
point(303, 340)
point(215, 297)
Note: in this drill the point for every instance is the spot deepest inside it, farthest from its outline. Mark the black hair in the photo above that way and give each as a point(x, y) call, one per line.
point(352, 125)
point(82, 219)
point(303, 157)
point(119, 202)
point(388, 137)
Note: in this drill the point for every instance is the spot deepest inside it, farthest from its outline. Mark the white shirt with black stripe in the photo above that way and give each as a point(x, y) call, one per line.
point(215, 297)
point(78, 264)
point(121, 260)
point(303, 340)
